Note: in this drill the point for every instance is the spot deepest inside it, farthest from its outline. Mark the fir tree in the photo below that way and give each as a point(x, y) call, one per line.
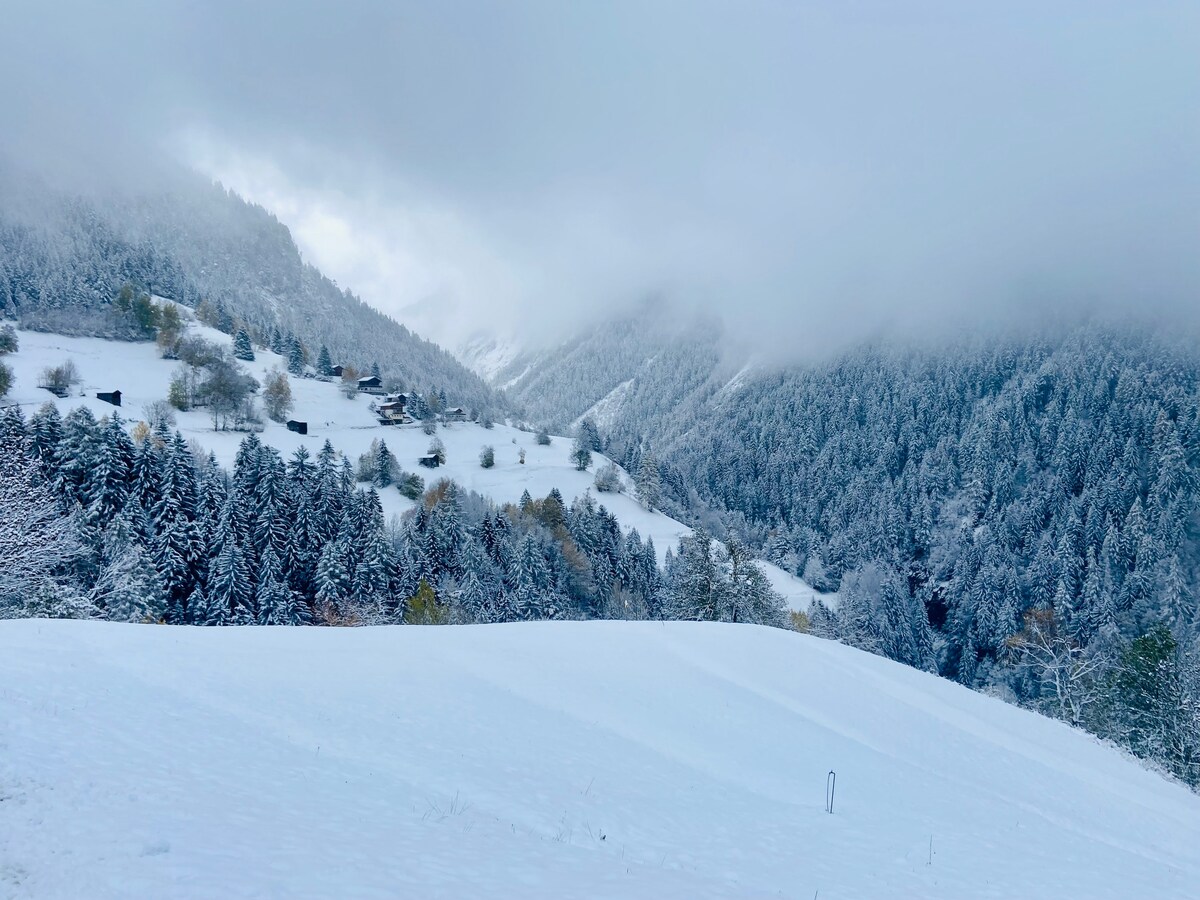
point(241, 346)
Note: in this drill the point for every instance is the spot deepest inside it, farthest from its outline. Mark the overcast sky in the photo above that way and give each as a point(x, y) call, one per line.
point(818, 171)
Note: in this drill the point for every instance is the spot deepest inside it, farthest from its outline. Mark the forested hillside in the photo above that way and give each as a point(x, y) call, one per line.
point(64, 257)
point(1003, 511)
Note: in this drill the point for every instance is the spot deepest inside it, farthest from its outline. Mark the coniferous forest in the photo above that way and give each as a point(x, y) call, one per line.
point(1018, 512)
point(151, 529)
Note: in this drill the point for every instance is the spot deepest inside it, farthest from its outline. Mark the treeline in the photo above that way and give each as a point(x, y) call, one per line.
point(147, 529)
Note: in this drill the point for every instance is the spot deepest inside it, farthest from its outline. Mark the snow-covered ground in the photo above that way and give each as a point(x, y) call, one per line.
point(548, 760)
point(137, 371)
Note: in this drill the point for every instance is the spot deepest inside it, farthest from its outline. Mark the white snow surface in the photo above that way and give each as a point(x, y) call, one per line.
point(548, 760)
point(142, 376)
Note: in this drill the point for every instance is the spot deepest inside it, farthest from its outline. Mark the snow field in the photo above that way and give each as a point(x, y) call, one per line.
point(548, 760)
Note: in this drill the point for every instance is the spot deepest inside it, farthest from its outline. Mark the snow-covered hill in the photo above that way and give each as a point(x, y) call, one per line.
point(548, 760)
point(143, 377)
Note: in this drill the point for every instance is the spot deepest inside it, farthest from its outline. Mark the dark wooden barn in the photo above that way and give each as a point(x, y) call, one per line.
point(298, 427)
point(113, 397)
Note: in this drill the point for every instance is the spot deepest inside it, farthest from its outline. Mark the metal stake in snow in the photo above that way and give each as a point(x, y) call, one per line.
point(830, 787)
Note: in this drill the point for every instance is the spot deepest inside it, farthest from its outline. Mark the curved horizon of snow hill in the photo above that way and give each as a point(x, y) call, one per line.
point(548, 760)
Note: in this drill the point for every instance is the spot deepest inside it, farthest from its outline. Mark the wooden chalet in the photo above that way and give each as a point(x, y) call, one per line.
point(370, 384)
point(336, 371)
point(455, 414)
point(392, 412)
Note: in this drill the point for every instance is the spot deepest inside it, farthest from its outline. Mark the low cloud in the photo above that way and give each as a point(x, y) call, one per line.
point(817, 174)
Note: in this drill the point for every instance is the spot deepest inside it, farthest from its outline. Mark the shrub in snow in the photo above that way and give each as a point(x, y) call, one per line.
point(411, 485)
point(581, 455)
point(178, 394)
point(159, 415)
point(277, 396)
point(60, 379)
point(608, 479)
point(487, 457)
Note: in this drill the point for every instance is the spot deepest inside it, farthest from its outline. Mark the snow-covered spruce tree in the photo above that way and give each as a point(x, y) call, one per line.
point(242, 348)
point(272, 596)
point(128, 588)
point(386, 467)
point(649, 490)
point(333, 585)
point(229, 590)
point(696, 589)
point(37, 543)
point(591, 435)
point(295, 356)
point(324, 362)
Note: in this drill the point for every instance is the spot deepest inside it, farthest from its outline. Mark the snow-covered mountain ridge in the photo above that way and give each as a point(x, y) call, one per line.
point(548, 760)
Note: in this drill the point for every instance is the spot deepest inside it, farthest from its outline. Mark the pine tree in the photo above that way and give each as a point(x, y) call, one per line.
point(229, 590)
point(45, 435)
point(385, 466)
point(333, 581)
point(531, 578)
point(424, 608)
point(295, 356)
point(127, 588)
point(324, 363)
point(107, 483)
point(649, 490)
point(697, 588)
point(271, 505)
point(241, 346)
point(272, 596)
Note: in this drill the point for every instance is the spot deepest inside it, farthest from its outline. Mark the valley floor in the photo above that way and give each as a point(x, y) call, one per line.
point(572, 759)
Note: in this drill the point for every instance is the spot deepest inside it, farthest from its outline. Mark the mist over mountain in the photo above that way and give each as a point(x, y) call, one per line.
point(815, 175)
point(67, 251)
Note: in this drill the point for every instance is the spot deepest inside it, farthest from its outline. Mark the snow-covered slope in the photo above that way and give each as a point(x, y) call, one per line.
point(487, 355)
point(548, 760)
point(142, 377)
